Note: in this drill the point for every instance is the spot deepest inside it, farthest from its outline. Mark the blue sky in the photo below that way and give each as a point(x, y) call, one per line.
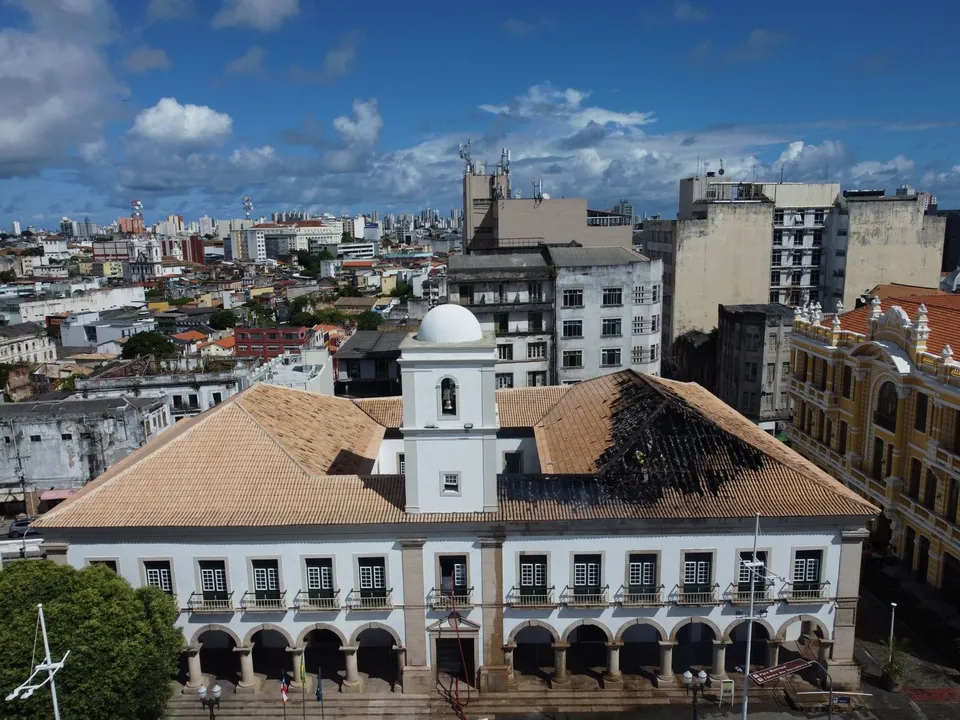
point(187, 105)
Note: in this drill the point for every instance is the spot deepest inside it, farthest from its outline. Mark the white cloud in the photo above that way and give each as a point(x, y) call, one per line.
point(56, 85)
point(93, 152)
point(253, 158)
point(686, 11)
point(250, 63)
point(364, 127)
point(337, 63)
point(145, 59)
point(165, 10)
point(545, 102)
point(170, 123)
point(804, 162)
point(898, 167)
point(759, 45)
point(265, 15)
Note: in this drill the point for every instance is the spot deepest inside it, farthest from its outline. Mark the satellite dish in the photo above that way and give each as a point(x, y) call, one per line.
point(720, 171)
point(546, 196)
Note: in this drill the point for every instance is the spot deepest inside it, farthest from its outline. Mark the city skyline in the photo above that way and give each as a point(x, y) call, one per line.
point(187, 106)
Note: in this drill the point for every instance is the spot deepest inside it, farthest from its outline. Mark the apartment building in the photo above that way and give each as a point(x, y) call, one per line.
point(26, 343)
point(491, 538)
point(495, 217)
point(876, 395)
point(563, 315)
point(875, 238)
point(753, 361)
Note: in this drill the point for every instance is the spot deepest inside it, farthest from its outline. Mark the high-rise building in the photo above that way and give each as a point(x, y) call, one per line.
point(374, 216)
point(207, 225)
point(15, 227)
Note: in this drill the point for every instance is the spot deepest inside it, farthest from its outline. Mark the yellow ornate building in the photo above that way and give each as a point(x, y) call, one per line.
point(876, 395)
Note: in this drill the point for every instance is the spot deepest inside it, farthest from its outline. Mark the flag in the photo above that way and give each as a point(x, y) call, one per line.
point(283, 688)
point(303, 672)
point(319, 684)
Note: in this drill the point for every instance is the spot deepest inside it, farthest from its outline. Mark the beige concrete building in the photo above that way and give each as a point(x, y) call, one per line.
point(493, 218)
point(876, 238)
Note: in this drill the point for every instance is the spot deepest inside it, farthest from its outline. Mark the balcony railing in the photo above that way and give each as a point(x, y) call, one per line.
point(379, 602)
point(698, 597)
point(648, 597)
point(197, 603)
point(544, 598)
point(574, 597)
point(304, 603)
point(249, 602)
point(761, 595)
point(806, 593)
point(442, 600)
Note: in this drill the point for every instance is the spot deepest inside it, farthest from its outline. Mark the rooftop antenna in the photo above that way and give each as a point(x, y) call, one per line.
point(504, 166)
point(247, 206)
point(136, 210)
point(466, 157)
point(720, 171)
point(781, 174)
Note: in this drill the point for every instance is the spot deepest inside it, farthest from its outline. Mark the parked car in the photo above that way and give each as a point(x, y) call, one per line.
point(18, 528)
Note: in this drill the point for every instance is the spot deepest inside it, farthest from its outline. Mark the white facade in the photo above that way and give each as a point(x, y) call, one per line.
point(26, 343)
point(254, 245)
point(28, 310)
point(15, 227)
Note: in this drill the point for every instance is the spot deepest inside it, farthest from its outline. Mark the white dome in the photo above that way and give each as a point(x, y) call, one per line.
point(449, 324)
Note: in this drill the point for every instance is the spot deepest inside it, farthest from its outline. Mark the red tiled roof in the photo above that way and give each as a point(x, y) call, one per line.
point(190, 336)
point(943, 318)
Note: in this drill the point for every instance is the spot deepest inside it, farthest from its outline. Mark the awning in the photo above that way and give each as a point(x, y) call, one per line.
point(57, 494)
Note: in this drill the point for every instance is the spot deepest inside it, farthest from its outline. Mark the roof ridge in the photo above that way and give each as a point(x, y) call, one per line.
point(817, 475)
point(266, 432)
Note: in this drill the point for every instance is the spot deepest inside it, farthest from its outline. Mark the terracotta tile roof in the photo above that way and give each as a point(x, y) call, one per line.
point(268, 457)
point(890, 290)
point(228, 342)
point(525, 407)
point(519, 407)
point(943, 318)
point(190, 336)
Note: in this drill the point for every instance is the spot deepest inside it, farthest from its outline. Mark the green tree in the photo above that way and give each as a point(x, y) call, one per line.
point(347, 236)
point(223, 319)
point(124, 645)
point(368, 320)
point(8, 276)
point(303, 319)
point(148, 343)
point(349, 291)
point(401, 290)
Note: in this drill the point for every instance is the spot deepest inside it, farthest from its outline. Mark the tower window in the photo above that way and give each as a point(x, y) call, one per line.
point(448, 397)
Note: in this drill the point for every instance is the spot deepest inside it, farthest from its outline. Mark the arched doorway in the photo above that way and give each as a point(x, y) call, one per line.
point(270, 657)
point(694, 650)
point(587, 654)
point(534, 653)
point(640, 653)
point(801, 636)
point(736, 655)
point(217, 657)
point(376, 657)
point(322, 654)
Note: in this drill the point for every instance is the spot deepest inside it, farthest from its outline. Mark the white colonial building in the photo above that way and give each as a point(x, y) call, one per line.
point(535, 537)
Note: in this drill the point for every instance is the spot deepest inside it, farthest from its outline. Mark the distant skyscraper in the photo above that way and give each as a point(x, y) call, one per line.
point(15, 227)
point(375, 216)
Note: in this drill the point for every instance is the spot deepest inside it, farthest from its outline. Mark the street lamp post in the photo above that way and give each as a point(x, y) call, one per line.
point(893, 615)
point(211, 702)
point(695, 685)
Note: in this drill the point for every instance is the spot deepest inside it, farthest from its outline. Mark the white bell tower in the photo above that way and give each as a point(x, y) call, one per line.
point(449, 414)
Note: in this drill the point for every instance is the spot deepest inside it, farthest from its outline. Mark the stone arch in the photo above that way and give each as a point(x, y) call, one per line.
point(690, 621)
point(817, 622)
point(302, 637)
point(448, 391)
point(640, 621)
point(195, 638)
point(375, 626)
point(740, 621)
point(586, 621)
point(268, 626)
point(533, 623)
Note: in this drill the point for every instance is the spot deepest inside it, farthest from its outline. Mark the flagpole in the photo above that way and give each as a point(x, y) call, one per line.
point(320, 690)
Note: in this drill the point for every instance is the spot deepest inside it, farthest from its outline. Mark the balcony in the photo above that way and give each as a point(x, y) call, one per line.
point(761, 596)
point(542, 599)
point(378, 602)
point(197, 603)
point(250, 603)
point(443, 600)
point(304, 603)
point(806, 593)
point(647, 597)
point(576, 597)
point(698, 597)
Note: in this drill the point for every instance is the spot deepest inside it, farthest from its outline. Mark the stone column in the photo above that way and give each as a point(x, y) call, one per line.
point(401, 663)
point(417, 677)
point(665, 676)
point(508, 660)
point(773, 652)
point(560, 663)
point(826, 652)
point(839, 659)
point(496, 673)
point(194, 671)
point(248, 680)
point(719, 669)
point(297, 653)
point(613, 676)
point(351, 682)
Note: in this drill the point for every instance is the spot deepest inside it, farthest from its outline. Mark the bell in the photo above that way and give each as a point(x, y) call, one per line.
point(447, 404)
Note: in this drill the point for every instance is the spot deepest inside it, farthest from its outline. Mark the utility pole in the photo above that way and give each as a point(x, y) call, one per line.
point(28, 688)
point(753, 579)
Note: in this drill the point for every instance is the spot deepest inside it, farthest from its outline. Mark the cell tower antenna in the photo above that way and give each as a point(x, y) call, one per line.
point(505, 161)
point(466, 157)
point(136, 210)
point(247, 206)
